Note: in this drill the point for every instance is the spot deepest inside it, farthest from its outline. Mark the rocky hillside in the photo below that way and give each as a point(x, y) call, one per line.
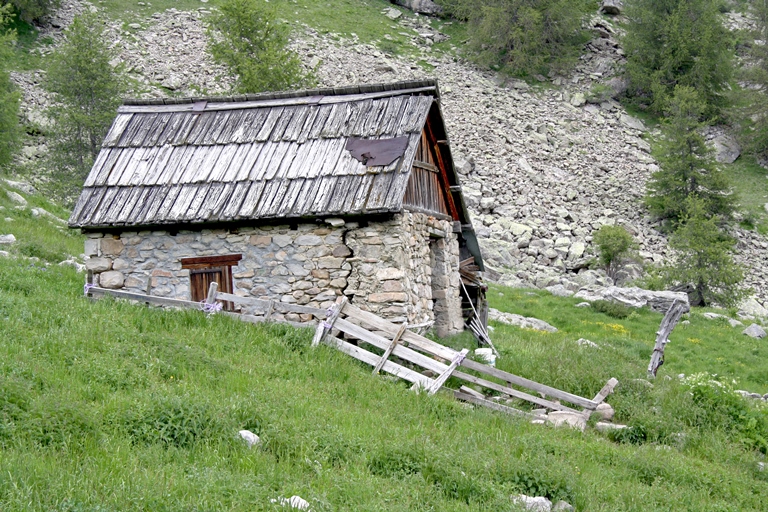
point(542, 168)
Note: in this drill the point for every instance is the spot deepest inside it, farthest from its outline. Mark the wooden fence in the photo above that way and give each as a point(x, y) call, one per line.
point(425, 363)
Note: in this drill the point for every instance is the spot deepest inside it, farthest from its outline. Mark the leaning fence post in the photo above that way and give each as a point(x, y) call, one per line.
point(665, 329)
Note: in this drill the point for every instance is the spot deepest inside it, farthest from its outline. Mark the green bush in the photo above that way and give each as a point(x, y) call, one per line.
point(615, 246)
point(34, 11)
point(9, 96)
point(179, 421)
point(612, 309)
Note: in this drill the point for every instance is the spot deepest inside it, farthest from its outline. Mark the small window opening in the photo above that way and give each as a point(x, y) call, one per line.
point(208, 269)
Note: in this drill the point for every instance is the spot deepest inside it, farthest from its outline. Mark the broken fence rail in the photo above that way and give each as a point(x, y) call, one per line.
point(400, 342)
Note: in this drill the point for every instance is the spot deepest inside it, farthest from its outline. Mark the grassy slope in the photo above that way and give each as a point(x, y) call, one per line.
point(111, 406)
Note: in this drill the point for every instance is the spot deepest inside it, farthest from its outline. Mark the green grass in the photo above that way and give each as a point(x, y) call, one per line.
point(112, 406)
point(750, 182)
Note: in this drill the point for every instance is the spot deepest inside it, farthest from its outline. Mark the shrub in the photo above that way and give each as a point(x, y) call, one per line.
point(612, 309)
point(9, 96)
point(615, 245)
point(34, 11)
point(174, 421)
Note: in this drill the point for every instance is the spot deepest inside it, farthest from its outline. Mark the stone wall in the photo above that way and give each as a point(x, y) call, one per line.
point(385, 267)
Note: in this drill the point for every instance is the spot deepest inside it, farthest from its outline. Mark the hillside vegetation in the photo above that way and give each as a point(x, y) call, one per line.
point(113, 406)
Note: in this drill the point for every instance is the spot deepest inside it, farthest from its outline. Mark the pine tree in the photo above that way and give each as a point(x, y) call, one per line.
point(9, 96)
point(687, 166)
point(247, 37)
point(87, 91)
point(756, 113)
point(677, 42)
point(704, 259)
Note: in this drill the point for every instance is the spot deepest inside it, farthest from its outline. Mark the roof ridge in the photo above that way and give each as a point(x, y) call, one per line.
point(393, 87)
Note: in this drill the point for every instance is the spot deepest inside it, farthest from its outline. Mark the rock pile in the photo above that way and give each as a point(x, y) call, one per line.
point(542, 168)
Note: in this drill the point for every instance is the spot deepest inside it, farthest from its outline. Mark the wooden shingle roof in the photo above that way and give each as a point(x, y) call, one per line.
point(269, 156)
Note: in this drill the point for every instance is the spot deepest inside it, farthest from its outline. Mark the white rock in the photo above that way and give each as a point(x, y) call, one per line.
point(583, 305)
point(5, 254)
point(633, 297)
point(754, 331)
point(571, 419)
point(752, 307)
point(111, 279)
point(296, 502)
point(520, 321)
point(74, 264)
point(586, 343)
point(632, 122)
point(559, 291)
point(604, 411)
point(534, 504)
point(602, 426)
point(250, 438)
point(7, 239)
point(16, 198)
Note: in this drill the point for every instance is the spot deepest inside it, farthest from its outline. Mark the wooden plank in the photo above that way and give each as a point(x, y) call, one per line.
point(326, 326)
point(435, 387)
point(294, 128)
point(218, 124)
point(282, 123)
point(269, 124)
point(313, 132)
point(430, 347)
point(309, 121)
point(249, 126)
point(607, 390)
point(211, 261)
point(158, 165)
point(117, 129)
point(160, 301)
point(272, 102)
point(249, 158)
point(390, 348)
point(668, 323)
point(220, 169)
point(260, 167)
point(281, 307)
point(371, 359)
point(492, 405)
point(103, 166)
point(232, 206)
point(251, 201)
point(272, 166)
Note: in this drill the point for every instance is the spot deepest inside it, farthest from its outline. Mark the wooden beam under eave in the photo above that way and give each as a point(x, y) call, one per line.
point(443, 172)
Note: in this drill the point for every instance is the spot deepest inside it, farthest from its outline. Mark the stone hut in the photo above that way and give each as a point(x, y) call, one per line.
point(299, 197)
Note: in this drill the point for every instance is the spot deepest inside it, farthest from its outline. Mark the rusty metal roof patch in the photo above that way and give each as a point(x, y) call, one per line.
point(376, 152)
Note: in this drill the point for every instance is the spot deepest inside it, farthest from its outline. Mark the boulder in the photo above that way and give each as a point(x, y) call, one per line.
point(98, 264)
point(559, 291)
point(754, 331)
point(752, 307)
point(520, 321)
point(534, 504)
point(250, 438)
point(564, 418)
point(16, 198)
point(427, 7)
point(604, 411)
point(7, 239)
point(611, 7)
point(562, 506)
point(583, 342)
point(727, 150)
point(632, 122)
point(634, 297)
point(111, 279)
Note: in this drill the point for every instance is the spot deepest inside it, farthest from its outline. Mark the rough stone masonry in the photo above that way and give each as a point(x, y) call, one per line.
point(405, 268)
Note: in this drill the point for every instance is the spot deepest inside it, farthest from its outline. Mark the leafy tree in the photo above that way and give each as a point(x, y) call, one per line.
point(33, 11)
point(615, 245)
point(687, 166)
point(677, 42)
point(524, 37)
point(9, 96)
point(87, 92)
point(703, 259)
point(247, 37)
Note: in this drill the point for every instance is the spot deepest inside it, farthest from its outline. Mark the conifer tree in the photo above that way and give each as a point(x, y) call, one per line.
point(247, 37)
point(704, 259)
point(687, 166)
point(87, 91)
point(677, 42)
point(9, 96)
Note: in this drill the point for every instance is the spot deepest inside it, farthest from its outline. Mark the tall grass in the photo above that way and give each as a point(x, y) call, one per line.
point(112, 406)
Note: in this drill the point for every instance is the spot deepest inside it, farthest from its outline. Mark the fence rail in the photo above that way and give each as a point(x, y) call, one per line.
point(416, 353)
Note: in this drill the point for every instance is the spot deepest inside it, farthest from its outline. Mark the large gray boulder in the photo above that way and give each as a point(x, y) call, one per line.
point(611, 7)
point(420, 6)
point(634, 297)
point(754, 331)
point(520, 321)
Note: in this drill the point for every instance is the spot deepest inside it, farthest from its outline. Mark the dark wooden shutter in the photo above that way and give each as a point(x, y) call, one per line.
point(205, 270)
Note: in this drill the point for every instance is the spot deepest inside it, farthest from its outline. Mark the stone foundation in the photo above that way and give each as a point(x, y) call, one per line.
point(403, 269)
